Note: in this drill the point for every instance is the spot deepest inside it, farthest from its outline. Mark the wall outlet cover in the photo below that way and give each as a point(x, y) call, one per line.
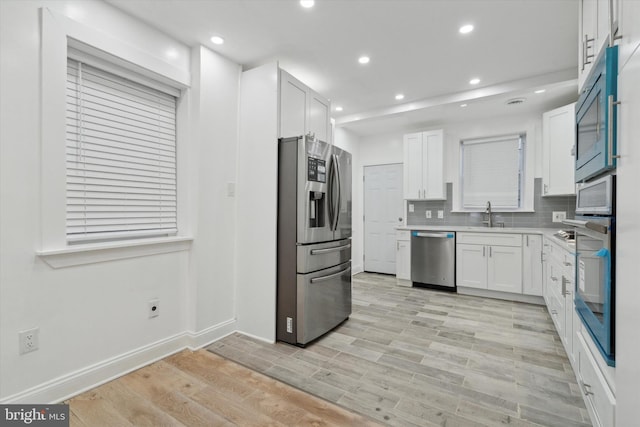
point(440, 214)
point(559, 216)
point(29, 340)
point(428, 213)
point(411, 207)
point(154, 308)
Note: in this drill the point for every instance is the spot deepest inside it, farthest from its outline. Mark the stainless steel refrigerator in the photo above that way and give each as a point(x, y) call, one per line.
point(314, 239)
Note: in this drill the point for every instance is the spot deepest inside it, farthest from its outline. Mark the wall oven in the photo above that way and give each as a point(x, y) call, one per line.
point(595, 262)
point(596, 118)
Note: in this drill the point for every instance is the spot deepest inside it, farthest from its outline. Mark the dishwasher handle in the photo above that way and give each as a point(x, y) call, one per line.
point(436, 235)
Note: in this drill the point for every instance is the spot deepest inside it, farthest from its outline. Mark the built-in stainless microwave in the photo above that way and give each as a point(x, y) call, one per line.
point(596, 118)
point(596, 197)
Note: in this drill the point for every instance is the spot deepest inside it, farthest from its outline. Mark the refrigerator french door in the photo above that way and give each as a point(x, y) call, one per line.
point(314, 246)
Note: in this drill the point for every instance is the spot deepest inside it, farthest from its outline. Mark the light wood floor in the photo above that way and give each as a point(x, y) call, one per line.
point(417, 357)
point(203, 389)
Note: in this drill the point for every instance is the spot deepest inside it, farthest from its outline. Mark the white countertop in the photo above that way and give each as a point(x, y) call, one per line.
point(546, 232)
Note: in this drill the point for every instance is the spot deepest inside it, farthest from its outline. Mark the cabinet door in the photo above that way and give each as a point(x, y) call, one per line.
point(433, 164)
point(403, 259)
point(588, 30)
point(471, 266)
point(293, 106)
point(558, 162)
point(532, 265)
point(412, 171)
point(505, 269)
point(318, 119)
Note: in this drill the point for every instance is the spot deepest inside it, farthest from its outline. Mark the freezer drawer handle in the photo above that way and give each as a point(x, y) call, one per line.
point(438, 235)
point(327, 250)
point(330, 276)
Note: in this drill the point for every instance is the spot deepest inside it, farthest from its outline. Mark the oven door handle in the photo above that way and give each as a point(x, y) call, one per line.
point(603, 229)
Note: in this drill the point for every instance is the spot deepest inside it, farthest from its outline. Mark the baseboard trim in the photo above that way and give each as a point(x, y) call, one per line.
point(530, 299)
point(198, 340)
point(67, 386)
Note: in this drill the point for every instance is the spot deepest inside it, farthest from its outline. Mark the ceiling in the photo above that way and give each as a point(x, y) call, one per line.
point(517, 46)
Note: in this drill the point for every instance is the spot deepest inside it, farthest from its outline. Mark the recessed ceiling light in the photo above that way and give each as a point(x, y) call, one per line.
point(474, 81)
point(463, 105)
point(364, 60)
point(307, 3)
point(172, 53)
point(399, 96)
point(540, 91)
point(338, 108)
point(217, 40)
point(465, 29)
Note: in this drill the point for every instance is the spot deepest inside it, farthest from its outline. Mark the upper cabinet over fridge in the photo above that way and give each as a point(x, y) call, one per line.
point(302, 110)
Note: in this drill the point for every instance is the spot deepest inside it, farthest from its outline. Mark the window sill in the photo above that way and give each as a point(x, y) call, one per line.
point(101, 252)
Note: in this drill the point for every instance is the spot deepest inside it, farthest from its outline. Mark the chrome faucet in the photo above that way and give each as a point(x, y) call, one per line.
point(489, 220)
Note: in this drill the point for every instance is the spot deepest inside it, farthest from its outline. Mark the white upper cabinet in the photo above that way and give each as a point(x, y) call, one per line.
point(302, 110)
point(593, 29)
point(558, 141)
point(423, 166)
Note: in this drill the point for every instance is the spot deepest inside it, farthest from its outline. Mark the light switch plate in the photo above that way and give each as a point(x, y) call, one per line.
point(428, 214)
point(440, 214)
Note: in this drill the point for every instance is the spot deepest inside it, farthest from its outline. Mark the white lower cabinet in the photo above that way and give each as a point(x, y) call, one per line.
point(532, 264)
point(558, 292)
point(403, 257)
point(598, 397)
point(489, 261)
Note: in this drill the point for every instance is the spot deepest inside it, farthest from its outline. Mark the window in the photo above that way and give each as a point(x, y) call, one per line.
point(492, 170)
point(121, 156)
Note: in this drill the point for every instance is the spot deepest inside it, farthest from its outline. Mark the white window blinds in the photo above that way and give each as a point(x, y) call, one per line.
point(492, 171)
point(121, 157)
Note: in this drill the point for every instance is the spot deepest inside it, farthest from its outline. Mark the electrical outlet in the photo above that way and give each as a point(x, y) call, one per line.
point(428, 214)
point(411, 207)
point(29, 340)
point(154, 308)
point(440, 214)
point(559, 216)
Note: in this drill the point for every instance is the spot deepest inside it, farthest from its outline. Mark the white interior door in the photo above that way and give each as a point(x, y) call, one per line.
point(383, 210)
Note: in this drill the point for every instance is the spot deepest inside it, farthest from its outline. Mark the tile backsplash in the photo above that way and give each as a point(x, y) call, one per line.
point(541, 218)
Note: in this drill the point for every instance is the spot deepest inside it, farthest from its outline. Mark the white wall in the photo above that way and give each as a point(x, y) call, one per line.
point(215, 85)
point(93, 318)
point(257, 199)
point(628, 236)
point(388, 148)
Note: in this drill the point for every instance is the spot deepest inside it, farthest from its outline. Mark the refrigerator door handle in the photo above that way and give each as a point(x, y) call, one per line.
point(330, 204)
point(338, 201)
point(330, 276)
point(328, 250)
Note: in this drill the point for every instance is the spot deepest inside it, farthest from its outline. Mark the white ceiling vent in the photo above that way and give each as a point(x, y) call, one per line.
point(516, 101)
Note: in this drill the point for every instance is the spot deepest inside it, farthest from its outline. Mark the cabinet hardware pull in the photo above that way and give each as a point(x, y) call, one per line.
point(567, 264)
point(483, 249)
point(527, 240)
point(555, 279)
point(490, 252)
point(612, 33)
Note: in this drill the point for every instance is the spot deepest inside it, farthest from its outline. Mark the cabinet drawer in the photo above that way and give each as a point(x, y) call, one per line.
point(598, 396)
point(494, 239)
point(403, 235)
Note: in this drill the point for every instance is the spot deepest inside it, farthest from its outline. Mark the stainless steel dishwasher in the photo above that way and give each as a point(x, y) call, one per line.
point(433, 259)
